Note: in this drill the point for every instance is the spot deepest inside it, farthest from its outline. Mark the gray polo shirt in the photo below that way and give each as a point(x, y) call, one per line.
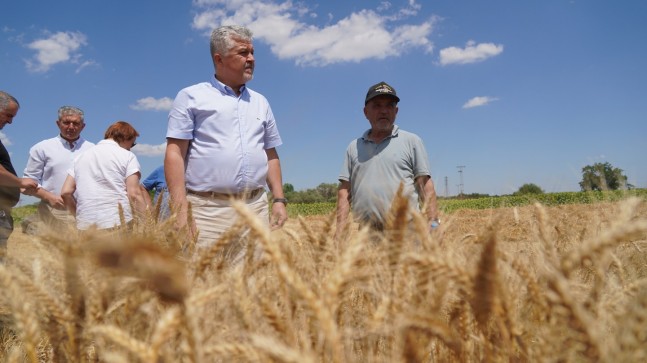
point(376, 170)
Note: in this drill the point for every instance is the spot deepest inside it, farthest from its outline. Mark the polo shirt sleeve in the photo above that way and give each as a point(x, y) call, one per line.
point(420, 158)
point(344, 174)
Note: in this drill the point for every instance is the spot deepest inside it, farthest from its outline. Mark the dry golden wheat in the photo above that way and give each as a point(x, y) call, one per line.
point(536, 283)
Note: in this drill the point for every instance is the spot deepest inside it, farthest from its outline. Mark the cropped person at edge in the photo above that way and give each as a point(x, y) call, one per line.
point(10, 184)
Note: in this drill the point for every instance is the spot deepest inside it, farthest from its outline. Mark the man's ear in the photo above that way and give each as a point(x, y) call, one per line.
point(217, 58)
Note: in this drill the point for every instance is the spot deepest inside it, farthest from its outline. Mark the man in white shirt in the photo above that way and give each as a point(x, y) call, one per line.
point(48, 163)
point(221, 145)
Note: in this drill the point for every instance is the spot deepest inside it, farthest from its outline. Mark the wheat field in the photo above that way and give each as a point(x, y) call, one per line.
point(527, 284)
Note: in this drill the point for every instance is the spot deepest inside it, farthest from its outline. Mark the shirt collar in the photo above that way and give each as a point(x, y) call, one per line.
point(71, 144)
point(226, 89)
point(394, 133)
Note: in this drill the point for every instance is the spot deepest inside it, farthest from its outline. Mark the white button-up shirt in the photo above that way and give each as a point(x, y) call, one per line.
point(229, 135)
point(50, 159)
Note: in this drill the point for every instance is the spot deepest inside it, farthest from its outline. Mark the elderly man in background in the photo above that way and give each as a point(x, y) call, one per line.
point(378, 162)
point(221, 145)
point(10, 183)
point(49, 161)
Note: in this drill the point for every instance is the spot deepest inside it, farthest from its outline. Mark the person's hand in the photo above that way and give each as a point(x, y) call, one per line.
point(28, 186)
point(279, 215)
point(56, 202)
point(183, 224)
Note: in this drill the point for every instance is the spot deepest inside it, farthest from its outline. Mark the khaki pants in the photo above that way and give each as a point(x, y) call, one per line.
point(213, 217)
point(56, 219)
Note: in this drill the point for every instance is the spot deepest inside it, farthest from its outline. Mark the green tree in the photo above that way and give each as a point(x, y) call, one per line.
point(603, 176)
point(327, 191)
point(529, 188)
point(288, 188)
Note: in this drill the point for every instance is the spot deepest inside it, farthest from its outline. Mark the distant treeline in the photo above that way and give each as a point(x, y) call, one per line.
point(449, 205)
point(322, 200)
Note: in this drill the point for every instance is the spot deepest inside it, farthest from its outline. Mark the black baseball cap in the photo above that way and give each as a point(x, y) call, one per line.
point(380, 89)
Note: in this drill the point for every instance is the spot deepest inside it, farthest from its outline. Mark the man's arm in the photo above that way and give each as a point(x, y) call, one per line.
point(343, 207)
point(176, 150)
point(67, 194)
point(34, 170)
point(26, 185)
point(54, 200)
point(427, 193)
point(146, 194)
point(275, 182)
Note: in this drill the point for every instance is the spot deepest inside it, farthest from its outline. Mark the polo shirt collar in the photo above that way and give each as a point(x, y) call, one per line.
point(226, 89)
point(394, 133)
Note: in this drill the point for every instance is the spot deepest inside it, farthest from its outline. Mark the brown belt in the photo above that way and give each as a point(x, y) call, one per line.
point(226, 196)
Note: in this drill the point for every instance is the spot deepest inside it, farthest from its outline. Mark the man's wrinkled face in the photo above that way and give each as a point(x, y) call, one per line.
point(70, 126)
point(380, 112)
point(238, 63)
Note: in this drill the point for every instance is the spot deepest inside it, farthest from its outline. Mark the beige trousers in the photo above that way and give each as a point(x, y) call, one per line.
point(213, 217)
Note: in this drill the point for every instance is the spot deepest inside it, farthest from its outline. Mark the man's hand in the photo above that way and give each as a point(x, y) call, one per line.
point(279, 215)
point(55, 201)
point(28, 186)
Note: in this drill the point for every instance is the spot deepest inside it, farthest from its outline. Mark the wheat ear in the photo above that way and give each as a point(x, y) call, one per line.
point(124, 340)
point(316, 305)
point(25, 319)
point(279, 351)
point(164, 329)
point(339, 277)
point(206, 256)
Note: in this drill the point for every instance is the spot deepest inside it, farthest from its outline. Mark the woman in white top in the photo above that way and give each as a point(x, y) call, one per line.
point(104, 177)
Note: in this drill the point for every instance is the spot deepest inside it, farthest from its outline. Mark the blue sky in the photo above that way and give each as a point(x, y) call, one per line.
point(515, 91)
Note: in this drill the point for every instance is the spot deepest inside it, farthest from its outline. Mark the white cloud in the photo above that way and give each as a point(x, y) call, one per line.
point(479, 101)
point(149, 150)
point(472, 53)
point(365, 34)
point(5, 140)
point(150, 103)
point(62, 47)
point(84, 65)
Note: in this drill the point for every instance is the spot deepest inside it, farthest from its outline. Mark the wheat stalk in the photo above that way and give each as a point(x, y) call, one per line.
point(317, 306)
point(124, 340)
point(24, 315)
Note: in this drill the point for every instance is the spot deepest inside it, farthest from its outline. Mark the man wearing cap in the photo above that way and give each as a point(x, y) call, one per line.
point(378, 162)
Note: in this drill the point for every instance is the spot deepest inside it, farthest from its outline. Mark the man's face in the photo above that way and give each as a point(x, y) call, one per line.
point(381, 112)
point(7, 115)
point(236, 67)
point(70, 126)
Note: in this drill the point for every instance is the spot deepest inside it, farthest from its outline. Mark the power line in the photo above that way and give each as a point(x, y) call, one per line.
point(460, 177)
point(446, 188)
